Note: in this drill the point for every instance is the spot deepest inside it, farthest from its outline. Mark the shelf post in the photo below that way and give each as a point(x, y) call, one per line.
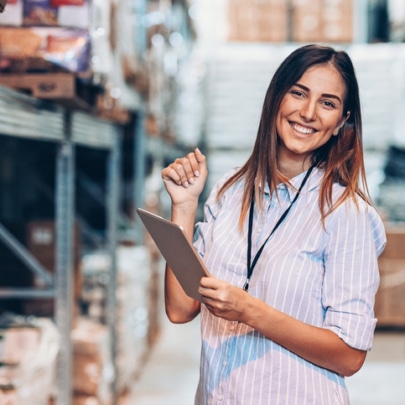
point(113, 192)
point(64, 255)
point(139, 172)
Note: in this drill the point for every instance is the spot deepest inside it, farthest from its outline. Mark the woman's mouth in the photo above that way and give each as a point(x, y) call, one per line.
point(302, 129)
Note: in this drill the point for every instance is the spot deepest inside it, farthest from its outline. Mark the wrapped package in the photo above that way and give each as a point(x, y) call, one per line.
point(44, 49)
point(28, 357)
point(133, 312)
point(92, 371)
point(49, 35)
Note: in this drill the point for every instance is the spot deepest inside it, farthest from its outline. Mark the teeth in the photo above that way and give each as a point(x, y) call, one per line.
point(302, 129)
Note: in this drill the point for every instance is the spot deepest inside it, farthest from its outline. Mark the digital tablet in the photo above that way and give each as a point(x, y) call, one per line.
point(176, 249)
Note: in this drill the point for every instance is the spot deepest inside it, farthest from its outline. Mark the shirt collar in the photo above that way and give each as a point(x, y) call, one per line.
point(314, 181)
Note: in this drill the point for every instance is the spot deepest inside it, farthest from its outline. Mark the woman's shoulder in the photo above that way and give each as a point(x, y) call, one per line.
point(356, 212)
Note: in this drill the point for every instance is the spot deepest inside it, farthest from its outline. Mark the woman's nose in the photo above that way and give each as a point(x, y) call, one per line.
point(308, 110)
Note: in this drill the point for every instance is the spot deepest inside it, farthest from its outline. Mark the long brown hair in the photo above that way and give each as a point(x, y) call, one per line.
point(341, 157)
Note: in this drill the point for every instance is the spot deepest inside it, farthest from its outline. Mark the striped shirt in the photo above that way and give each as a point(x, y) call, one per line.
point(323, 276)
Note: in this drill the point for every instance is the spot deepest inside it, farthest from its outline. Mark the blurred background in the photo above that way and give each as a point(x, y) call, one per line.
point(96, 97)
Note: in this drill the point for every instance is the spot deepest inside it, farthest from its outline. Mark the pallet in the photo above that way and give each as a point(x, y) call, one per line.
point(67, 90)
point(44, 86)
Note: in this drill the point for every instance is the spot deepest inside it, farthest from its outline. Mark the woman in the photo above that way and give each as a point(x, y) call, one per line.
point(291, 241)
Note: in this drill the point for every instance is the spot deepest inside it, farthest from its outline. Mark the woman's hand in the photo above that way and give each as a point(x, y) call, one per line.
point(185, 178)
point(318, 345)
point(223, 299)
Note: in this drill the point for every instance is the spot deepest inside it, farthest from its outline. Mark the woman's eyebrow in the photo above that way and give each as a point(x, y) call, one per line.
point(323, 94)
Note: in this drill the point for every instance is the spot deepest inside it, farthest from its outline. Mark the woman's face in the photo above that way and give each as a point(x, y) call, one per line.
point(310, 113)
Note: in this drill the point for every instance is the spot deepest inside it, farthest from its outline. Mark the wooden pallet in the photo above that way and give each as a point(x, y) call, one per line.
point(44, 86)
point(66, 90)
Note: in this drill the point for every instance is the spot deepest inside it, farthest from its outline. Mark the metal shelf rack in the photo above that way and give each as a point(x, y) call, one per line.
point(29, 118)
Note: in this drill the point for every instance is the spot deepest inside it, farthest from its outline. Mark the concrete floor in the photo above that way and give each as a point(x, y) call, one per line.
point(171, 371)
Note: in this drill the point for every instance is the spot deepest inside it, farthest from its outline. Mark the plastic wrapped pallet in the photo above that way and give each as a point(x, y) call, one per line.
point(72, 35)
point(133, 317)
point(92, 369)
point(28, 355)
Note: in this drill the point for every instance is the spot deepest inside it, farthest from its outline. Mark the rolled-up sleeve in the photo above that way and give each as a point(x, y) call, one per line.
point(356, 239)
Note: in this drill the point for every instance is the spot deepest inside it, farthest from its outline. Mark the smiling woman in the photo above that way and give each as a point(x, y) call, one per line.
point(291, 241)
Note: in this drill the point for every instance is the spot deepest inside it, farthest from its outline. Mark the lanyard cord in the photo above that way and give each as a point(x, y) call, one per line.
point(250, 265)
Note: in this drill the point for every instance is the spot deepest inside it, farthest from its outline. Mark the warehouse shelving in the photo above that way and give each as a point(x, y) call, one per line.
point(25, 117)
point(69, 129)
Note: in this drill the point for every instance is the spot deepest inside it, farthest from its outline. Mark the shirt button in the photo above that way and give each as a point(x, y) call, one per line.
point(232, 325)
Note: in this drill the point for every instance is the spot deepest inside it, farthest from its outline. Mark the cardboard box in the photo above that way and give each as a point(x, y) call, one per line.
point(306, 20)
point(43, 49)
point(322, 20)
point(390, 299)
point(257, 21)
point(337, 21)
point(91, 361)
point(41, 241)
point(18, 343)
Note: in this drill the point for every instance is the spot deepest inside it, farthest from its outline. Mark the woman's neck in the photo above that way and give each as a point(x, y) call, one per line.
point(291, 169)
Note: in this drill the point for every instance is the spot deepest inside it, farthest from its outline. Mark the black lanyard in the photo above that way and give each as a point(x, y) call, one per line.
point(250, 265)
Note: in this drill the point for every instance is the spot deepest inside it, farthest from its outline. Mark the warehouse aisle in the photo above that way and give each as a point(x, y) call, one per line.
point(170, 374)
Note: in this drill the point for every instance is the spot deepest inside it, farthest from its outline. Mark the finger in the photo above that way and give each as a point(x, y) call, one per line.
point(194, 159)
point(170, 174)
point(210, 283)
point(201, 159)
point(185, 168)
point(179, 171)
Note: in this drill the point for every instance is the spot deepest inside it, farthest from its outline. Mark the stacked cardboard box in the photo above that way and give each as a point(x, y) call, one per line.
point(323, 21)
point(390, 303)
point(28, 353)
point(136, 305)
point(51, 35)
point(41, 243)
point(258, 20)
point(93, 40)
point(92, 368)
point(293, 20)
point(133, 314)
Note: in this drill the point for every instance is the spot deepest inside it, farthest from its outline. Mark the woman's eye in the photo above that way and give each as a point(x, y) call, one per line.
point(329, 104)
point(296, 93)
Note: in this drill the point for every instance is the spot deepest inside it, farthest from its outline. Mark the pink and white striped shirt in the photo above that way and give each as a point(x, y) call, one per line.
point(325, 277)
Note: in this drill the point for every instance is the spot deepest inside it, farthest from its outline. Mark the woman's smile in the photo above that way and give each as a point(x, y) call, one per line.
point(302, 129)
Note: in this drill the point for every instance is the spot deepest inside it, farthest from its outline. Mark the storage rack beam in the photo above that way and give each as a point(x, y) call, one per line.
point(8, 239)
point(26, 117)
point(16, 293)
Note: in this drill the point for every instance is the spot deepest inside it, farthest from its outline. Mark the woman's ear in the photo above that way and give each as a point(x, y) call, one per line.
point(344, 119)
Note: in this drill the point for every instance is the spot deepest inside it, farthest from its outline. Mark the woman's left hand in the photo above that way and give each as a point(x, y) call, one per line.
point(223, 299)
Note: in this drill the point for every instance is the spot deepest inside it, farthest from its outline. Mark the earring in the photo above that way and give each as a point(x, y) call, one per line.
point(336, 132)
